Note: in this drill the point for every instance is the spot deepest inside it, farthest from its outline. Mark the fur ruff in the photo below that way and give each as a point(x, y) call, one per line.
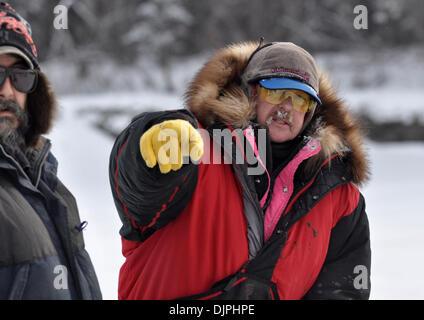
point(41, 107)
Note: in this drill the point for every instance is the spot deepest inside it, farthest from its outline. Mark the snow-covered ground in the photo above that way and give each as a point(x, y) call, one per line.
point(396, 214)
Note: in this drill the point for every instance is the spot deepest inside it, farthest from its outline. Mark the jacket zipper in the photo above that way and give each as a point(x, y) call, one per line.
point(42, 162)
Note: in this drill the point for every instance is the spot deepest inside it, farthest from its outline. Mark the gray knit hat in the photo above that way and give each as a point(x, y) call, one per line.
point(283, 65)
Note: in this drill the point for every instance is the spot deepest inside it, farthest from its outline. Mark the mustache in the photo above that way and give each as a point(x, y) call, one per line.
point(19, 112)
point(10, 105)
point(280, 115)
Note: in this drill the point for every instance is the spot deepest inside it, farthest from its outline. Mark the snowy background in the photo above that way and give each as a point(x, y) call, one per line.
point(119, 58)
point(393, 203)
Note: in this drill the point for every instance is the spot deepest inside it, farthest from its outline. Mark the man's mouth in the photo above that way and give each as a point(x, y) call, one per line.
point(7, 113)
point(11, 110)
point(280, 117)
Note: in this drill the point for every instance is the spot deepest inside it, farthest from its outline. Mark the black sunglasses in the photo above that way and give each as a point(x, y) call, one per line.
point(24, 80)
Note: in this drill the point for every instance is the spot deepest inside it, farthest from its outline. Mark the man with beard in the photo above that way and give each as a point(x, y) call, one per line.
point(42, 254)
point(289, 225)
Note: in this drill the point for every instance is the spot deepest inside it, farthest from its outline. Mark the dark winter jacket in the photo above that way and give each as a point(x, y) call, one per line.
point(217, 231)
point(42, 254)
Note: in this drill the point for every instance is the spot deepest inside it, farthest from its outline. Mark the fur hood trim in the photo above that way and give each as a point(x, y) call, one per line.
point(41, 107)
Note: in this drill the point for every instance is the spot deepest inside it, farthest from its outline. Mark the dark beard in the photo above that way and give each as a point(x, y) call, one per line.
point(13, 138)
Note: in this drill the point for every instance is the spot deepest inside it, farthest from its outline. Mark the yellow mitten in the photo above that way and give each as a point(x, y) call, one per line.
point(168, 142)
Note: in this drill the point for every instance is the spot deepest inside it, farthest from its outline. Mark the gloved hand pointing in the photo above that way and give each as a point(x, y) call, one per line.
point(168, 142)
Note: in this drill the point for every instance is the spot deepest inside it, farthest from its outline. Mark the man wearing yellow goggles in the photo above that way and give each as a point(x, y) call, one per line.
point(283, 78)
point(295, 230)
point(284, 111)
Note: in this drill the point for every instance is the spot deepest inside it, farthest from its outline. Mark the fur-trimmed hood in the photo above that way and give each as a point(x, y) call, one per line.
point(216, 91)
point(41, 108)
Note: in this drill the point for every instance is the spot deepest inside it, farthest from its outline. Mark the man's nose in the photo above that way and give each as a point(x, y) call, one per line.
point(286, 104)
point(7, 90)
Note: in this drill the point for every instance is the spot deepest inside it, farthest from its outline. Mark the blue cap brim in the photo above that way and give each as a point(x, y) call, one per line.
point(285, 83)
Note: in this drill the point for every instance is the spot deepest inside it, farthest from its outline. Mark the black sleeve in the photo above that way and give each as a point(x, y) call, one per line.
point(145, 198)
point(346, 270)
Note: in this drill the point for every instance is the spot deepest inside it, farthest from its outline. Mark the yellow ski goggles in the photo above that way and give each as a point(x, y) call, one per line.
point(301, 101)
